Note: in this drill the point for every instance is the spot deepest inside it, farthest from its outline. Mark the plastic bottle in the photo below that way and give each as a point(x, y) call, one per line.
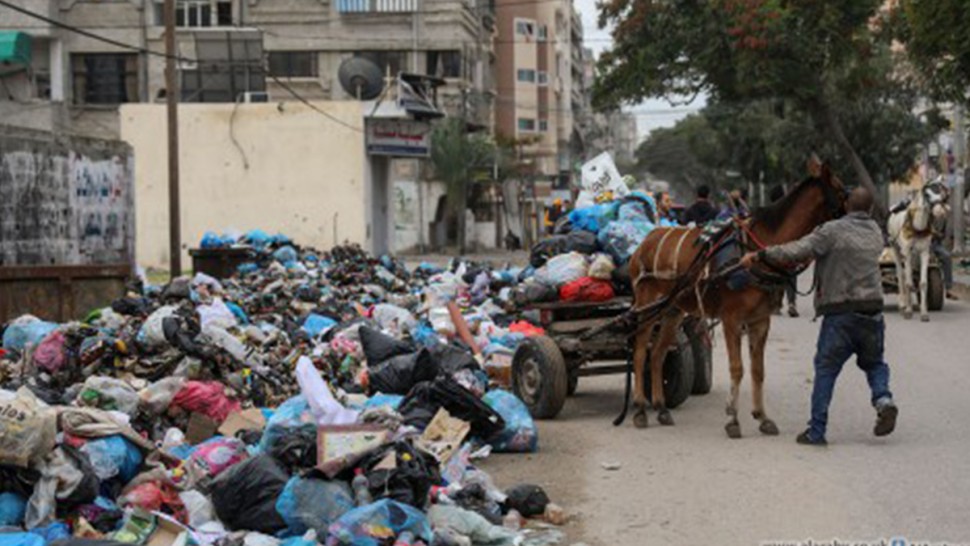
point(361, 490)
point(405, 539)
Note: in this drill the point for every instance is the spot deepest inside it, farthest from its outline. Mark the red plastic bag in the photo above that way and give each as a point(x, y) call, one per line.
point(207, 398)
point(525, 328)
point(50, 354)
point(155, 497)
point(587, 289)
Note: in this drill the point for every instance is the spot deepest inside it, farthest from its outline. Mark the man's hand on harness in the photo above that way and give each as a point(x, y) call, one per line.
point(749, 259)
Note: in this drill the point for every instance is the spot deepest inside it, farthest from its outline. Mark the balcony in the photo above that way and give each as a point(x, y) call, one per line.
point(377, 6)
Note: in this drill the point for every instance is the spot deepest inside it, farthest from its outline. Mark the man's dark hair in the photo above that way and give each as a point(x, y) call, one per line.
point(743, 192)
point(703, 191)
point(860, 200)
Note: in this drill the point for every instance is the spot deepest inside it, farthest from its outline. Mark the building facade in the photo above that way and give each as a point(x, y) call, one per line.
point(538, 74)
point(236, 50)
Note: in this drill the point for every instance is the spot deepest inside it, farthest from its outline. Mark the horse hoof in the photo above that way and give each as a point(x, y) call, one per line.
point(768, 428)
point(640, 419)
point(907, 315)
point(665, 418)
point(733, 430)
point(924, 318)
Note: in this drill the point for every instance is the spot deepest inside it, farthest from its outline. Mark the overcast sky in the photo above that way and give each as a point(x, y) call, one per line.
point(652, 113)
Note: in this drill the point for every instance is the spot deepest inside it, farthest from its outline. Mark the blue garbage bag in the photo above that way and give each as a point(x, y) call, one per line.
point(593, 218)
point(308, 503)
point(20, 334)
point(425, 335)
point(211, 240)
point(258, 238)
point(621, 239)
point(285, 254)
point(247, 267)
point(12, 509)
point(373, 524)
point(238, 312)
point(280, 239)
point(380, 399)
point(294, 413)
point(24, 539)
point(57, 530)
point(520, 434)
point(317, 324)
point(113, 456)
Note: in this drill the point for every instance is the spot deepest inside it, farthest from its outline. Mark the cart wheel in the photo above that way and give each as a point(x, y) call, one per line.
point(539, 376)
point(573, 384)
point(935, 292)
point(678, 372)
point(700, 346)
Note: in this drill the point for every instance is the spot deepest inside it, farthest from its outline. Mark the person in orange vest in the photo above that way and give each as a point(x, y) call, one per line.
point(553, 214)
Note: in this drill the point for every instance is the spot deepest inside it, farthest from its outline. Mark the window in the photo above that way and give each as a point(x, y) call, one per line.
point(525, 28)
point(527, 124)
point(526, 75)
point(105, 78)
point(203, 14)
point(543, 125)
point(445, 64)
point(543, 77)
point(293, 64)
point(543, 33)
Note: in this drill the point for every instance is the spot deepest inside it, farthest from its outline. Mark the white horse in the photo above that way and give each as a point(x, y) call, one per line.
point(911, 234)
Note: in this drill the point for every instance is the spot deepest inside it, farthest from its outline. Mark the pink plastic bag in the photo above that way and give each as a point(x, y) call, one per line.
point(207, 398)
point(50, 354)
point(214, 456)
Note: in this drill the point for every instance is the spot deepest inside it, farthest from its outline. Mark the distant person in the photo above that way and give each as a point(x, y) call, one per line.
point(737, 205)
point(702, 211)
point(553, 214)
point(664, 206)
point(776, 194)
point(849, 297)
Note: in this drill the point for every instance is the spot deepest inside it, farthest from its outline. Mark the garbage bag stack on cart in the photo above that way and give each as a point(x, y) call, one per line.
point(313, 397)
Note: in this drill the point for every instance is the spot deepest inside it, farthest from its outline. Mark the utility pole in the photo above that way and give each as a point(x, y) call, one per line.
point(171, 103)
point(956, 195)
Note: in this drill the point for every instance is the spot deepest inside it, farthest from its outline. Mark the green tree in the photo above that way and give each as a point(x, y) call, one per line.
point(456, 157)
point(935, 35)
point(810, 53)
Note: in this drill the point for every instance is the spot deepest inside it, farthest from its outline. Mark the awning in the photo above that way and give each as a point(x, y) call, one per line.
point(14, 48)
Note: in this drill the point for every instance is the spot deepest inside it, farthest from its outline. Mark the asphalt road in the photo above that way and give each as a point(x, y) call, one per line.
point(691, 485)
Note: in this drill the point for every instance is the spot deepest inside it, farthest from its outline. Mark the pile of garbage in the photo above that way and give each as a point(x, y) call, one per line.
point(315, 397)
point(587, 257)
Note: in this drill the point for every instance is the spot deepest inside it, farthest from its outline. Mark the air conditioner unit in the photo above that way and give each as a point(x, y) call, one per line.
point(255, 96)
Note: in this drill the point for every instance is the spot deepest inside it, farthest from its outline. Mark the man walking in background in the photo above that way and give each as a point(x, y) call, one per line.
point(702, 211)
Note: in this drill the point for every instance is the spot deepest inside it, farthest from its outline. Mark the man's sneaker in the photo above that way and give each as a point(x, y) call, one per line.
point(806, 439)
point(792, 311)
point(886, 413)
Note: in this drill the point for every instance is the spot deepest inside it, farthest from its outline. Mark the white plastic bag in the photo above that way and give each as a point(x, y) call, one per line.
point(151, 335)
point(108, 393)
point(325, 409)
point(602, 267)
point(156, 397)
point(562, 269)
point(394, 319)
point(440, 320)
point(27, 428)
point(216, 314)
point(199, 508)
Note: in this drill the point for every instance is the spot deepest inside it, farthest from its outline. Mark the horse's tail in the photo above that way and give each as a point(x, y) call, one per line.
point(626, 397)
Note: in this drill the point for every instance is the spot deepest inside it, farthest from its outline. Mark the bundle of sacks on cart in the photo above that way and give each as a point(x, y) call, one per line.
point(317, 397)
point(587, 257)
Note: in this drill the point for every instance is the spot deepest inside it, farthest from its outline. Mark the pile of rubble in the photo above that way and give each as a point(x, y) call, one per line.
point(316, 397)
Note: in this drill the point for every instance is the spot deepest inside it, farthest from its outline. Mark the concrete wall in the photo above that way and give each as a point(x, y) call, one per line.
point(294, 171)
point(64, 200)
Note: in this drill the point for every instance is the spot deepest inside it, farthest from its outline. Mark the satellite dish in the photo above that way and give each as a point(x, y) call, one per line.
point(361, 78)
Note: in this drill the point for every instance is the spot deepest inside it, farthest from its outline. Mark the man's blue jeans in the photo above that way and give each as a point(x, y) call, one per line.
point(841, 336)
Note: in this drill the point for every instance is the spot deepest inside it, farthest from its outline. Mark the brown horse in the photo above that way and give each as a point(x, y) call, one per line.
point(672, 264)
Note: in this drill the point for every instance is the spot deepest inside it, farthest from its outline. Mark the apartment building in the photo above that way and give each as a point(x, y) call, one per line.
point(233, 50)
point(539, 81)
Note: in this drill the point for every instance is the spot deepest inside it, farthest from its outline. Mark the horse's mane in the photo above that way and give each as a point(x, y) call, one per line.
point(771, 216)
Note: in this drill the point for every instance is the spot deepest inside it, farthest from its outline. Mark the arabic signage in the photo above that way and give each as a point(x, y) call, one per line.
point(398, 137)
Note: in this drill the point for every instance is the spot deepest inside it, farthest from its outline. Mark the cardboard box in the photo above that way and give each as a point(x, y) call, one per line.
point(250, 419)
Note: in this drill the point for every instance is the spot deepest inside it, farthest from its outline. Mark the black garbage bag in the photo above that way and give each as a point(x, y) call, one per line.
point(527, 499)
point(18, 480)
point(547, 248)
point(449, 359)
point(474, 497)
point(399, 374)
point(581, 241)
point(424, 400)
point(87, 488)
point(379, 347)
point(534, 292)
point(181, 334)
point(131, 306)
point(244, 496)
point(295, 449)
point(412, 477)
point(177, 289)
point(307, 293)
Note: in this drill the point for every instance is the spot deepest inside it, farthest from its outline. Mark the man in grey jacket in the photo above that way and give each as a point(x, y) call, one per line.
point(849, 296)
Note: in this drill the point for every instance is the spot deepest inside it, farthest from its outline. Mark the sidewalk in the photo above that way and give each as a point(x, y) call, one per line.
point(961, 277)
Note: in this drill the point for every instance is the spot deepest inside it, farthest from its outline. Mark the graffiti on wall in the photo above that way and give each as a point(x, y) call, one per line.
point(61, 205)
